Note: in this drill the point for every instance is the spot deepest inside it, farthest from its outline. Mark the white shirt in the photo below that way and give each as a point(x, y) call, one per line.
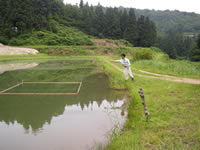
point(125, 62)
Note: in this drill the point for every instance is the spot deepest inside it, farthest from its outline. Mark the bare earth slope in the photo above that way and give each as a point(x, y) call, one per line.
point(8, 50)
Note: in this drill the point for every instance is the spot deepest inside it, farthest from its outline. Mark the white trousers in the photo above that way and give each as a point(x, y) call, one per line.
point(127, 72)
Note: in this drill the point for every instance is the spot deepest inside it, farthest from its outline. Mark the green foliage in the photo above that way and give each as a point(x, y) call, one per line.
point(195, 54)
point(166, 20)
point(143, 54)
point(112, 28)
point(131, 32)
point(127, 43)
point(171, 67)
point(146, 32)
point(198, 41)
point(195, 51)
point(156, 49)
point(63, 36)
point(123, 21)
point(24, 17)
point(99, 21)
point(4, 40)
point(175, 44)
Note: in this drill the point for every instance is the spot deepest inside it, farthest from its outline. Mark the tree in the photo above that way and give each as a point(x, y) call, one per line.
point(141, 31)
point(168, 44)
point(131, 33)
point(81, 4)
point(146, 32)
point(198, 41)
point(20, 14)
point(123, 22)
point(112, 21)
point(195, 52)
point(87, 18)
point(99, 21)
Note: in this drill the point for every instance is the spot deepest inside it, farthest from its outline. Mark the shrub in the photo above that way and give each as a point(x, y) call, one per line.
point(4, 40)
point(127, 43)
point(156, 49)
point(16, 42)
point(63, 36)
point(143, 54)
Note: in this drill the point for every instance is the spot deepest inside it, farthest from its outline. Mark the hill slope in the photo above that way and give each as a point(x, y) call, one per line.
point(165, 20)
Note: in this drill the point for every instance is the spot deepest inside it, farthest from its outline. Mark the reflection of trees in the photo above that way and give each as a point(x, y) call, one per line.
point(35, 111)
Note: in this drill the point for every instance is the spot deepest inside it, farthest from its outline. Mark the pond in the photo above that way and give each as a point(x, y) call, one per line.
point(58, 122)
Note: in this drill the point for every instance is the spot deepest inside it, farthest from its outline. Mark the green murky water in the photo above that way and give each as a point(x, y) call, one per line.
point(72, 122)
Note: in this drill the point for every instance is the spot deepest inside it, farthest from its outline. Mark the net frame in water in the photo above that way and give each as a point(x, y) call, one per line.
point(77, 92)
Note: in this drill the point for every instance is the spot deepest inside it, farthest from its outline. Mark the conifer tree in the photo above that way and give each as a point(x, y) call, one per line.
point(123, 22)
point(99, 21)
point(112, 28)
point(131, 33)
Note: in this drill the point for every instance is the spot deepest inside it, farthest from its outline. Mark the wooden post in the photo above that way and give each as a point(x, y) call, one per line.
point(147, 114)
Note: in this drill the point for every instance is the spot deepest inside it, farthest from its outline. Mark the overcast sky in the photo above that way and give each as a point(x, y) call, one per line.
point(182, 5)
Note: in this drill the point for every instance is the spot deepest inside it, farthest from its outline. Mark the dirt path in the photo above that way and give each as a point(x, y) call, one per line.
point(161, 77)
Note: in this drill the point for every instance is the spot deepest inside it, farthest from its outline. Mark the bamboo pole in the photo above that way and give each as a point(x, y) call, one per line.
point(79, 88)
point(80, 84)
point(51, 82)
point(11, 87)
point(38, 93)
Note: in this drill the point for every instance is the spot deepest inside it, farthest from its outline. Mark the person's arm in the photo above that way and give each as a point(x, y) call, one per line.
point(116, 60)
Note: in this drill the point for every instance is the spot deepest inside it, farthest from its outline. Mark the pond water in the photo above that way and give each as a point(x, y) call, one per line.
point(72, 122)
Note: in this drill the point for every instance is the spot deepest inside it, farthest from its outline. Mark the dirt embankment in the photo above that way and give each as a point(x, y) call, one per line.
point(8, 50)
point(113, 43)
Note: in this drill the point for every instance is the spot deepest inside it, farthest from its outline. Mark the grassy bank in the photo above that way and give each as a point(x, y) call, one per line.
point(171, 67)
point(175, 115)
point(174, 107)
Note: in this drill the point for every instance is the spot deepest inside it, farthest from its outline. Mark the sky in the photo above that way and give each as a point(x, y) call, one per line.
point(182, 5)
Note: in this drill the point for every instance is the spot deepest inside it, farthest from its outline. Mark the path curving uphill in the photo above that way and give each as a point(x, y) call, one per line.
point(160, 76)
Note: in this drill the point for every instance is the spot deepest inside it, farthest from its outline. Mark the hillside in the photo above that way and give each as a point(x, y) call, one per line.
point(165, 20)
point(62, 35)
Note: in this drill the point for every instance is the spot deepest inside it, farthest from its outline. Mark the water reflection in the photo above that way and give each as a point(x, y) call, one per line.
point(61, 122)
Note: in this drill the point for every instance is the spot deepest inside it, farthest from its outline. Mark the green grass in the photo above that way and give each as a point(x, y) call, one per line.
point(170, 67)
point(174, 107)
point(175, 115)
point(39, 56)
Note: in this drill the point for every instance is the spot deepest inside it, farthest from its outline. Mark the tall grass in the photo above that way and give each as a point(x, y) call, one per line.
point(170, 67)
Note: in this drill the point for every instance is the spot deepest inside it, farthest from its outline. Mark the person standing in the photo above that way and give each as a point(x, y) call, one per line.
point(127, 66)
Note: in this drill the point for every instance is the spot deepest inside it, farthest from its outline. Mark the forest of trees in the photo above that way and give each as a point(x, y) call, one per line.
point(175, 44)
point(18, 17)
point(177, 20)
point(29, 15)
point(195, 52)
